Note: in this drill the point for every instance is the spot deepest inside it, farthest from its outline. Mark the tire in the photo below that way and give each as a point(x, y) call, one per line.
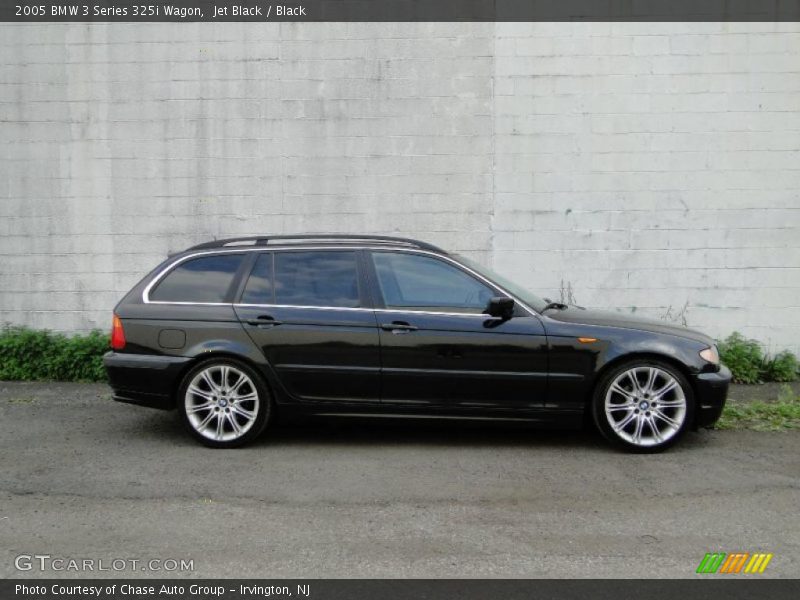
point(645, 415)
point(224, 403)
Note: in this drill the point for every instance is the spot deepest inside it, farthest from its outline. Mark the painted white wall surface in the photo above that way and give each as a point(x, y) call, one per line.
point(647, 167)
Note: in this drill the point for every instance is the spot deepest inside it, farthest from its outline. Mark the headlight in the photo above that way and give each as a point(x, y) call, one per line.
point(711, 355)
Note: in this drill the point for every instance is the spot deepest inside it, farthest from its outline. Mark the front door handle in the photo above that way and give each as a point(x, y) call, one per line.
point(264, 321)
point(398, 327)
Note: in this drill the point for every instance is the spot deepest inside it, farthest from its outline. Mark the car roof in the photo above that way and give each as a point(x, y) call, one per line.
point(316, 238)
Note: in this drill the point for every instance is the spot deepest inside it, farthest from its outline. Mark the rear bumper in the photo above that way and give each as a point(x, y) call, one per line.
point(144, 379)
point(712, 391)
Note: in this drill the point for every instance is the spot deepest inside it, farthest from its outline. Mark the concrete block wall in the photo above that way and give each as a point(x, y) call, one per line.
point(647, 167)
point(653, 168)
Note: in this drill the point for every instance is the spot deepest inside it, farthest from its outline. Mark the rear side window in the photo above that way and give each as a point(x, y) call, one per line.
point(205, 279)
point(316, 278)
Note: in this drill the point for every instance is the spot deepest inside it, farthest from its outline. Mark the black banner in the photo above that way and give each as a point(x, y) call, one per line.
point(738, 588)
point(260, 11)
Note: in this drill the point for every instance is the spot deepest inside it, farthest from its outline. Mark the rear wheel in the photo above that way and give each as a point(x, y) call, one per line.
point(224, 403)
point(643, 405)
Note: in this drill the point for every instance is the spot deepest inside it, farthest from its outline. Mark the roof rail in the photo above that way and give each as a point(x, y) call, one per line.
point(317, 237)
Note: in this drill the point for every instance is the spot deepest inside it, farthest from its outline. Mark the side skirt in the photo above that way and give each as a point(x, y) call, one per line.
point(561, 419)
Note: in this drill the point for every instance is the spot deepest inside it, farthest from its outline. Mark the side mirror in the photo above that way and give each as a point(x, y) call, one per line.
point(500, 307)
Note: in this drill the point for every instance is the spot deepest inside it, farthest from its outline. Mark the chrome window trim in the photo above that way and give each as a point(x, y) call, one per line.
point(169, 268)
point(225, 250)
point(351, 308)
point(182, 303)
point(432, 312)
point(301, 306)
point(294, 248)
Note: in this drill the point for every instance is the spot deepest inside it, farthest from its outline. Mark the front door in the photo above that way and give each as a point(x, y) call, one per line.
point(437, 348)
point(306, 310)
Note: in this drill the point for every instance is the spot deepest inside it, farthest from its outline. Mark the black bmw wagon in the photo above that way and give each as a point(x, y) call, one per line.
point(233, 332)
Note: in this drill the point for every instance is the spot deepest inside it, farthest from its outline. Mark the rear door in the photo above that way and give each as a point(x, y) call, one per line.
point(438, 348)
point(309, 313)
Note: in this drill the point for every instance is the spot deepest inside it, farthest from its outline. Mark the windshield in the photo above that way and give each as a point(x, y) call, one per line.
point(514, 289)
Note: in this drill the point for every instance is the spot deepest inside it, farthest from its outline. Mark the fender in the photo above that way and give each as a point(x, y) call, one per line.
point(241, 347)
point(576, 366)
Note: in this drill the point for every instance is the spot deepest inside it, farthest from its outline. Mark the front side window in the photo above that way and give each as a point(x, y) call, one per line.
point(520, 292)
point(316, 278)
point(205, 279)
point(415, 282)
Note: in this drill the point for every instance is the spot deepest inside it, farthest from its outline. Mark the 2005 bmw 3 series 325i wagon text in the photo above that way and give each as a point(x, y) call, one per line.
point(232, 332)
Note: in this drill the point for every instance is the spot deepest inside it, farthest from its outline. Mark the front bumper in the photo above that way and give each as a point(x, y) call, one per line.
point(711, 392)
point(144, 379)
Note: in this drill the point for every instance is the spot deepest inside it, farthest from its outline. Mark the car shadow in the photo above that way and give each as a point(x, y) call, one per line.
point(429, 432)
point(380, 432)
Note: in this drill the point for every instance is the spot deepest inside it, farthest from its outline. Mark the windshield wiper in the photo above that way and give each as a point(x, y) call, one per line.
point(556, 305)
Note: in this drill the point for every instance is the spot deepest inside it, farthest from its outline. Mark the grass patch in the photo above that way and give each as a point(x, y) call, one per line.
point(22, 400)
point(749, 364)
point(41, 355)
point(778, 415)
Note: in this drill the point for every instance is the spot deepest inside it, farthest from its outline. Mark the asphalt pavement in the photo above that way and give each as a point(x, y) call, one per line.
point(83, 477)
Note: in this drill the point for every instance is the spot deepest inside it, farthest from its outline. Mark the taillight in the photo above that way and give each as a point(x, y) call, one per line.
point(117, 334)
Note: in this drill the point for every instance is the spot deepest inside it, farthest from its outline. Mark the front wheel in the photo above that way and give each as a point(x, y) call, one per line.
point(643, 406)
point(224, 403)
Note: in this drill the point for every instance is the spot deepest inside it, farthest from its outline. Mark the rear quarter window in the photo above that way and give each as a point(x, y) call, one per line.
point(259, 289)
point(204, 279)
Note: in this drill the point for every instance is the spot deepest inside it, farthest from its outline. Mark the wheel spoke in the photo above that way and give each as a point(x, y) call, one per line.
point(626, 406)
point(247, 398)
point(668, 420)
point(637, 433)
point(651, 380)
point(220, 423)
point(670, 403)
point(209, 381)
point(634, 380)
point(615, 387)
point(202, 393)
point(238, 383)
point(667, 387)
point(624, 422)
point(247, 414)
point(198, 407)
point(237, 429)
point(223, 377)
point(651, 422)
point(204, 423)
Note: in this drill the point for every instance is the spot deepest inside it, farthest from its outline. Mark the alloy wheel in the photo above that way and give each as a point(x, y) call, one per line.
point(645, 406)
point(221, 403)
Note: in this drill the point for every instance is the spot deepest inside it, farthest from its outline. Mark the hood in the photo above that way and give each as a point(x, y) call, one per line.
point(583, 316)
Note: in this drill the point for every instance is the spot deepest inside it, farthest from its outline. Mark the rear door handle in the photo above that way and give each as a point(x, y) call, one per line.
point(264, 321)
point(398, 327)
